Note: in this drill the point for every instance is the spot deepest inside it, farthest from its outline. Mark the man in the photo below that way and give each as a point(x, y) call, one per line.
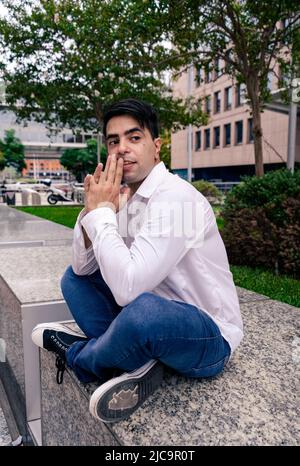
point(150, 282)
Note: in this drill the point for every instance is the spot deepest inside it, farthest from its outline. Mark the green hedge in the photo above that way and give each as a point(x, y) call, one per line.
point(262, 222)
point(208, 189)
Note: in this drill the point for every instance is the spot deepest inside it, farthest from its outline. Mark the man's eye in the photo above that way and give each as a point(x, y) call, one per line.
point(135, 138)
point(112, 142)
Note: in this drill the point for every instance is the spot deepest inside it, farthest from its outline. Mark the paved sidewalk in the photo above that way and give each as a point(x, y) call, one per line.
point(5, 438)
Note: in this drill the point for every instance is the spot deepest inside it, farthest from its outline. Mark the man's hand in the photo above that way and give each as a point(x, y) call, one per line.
point(103, 188)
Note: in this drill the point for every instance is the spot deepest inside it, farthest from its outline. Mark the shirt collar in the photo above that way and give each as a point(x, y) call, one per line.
point(152, 181)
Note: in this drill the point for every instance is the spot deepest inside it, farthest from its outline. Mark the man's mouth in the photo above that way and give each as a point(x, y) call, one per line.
point(128, 162)
point(127, 165)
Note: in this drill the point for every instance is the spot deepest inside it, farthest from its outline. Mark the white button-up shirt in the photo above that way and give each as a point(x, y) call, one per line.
point(166, 241)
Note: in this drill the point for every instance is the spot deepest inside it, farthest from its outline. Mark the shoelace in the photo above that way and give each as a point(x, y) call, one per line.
point(60, 365)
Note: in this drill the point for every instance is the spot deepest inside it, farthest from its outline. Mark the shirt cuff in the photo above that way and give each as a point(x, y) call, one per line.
point(95, 221)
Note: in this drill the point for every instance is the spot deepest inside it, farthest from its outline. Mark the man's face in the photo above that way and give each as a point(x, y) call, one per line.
point(135, 145)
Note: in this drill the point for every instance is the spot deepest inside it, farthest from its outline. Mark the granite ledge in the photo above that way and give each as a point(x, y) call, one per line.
point(255, 401)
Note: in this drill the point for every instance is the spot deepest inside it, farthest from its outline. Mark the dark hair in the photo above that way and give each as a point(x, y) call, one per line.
point(141, 111)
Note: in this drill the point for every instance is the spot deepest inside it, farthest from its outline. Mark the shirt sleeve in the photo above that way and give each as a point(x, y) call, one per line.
point(83, 260)
point(157, 248)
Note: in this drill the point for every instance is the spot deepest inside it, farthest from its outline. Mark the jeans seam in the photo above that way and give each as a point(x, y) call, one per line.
point(187, 338)
point(211, 366)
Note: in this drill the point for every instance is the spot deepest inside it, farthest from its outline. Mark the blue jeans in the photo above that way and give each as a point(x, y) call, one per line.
point(179, 335)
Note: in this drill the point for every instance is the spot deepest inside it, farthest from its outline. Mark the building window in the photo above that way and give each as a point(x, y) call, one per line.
point(228, 59)
point(284, 25)
point(206, 138)
point(228, 98)
point(270, 80)
point(227, 134)
point(79, 138)
point(217, 136)
point(198, 140)
point(208, 104)
point(239, 132)
point(208, 75)
point(218, 70)
point(68, 138)
point(217, 102)
point(240, 94)
point(198, 76)
point(250, 130)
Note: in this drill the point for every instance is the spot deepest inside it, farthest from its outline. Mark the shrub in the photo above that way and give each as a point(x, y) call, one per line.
point(208, 189)
point(289, 237)
point(262, 222)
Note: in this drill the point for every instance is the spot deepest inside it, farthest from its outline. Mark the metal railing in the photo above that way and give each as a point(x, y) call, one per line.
point(225, 186)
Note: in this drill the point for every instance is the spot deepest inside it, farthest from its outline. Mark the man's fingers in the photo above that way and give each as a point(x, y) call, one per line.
point(103, 176)
point(98, 171)
point(112, 169)
point(86, 182)
point(119, 172)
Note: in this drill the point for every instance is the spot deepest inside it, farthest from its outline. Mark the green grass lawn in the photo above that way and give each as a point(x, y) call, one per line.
point(277, 287)
point(65, 215)
point(220, 221)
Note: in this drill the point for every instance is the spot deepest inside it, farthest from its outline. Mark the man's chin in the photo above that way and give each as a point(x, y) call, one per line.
point(127, 179)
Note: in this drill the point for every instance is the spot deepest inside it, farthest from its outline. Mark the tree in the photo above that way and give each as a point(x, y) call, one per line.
point(250, 36)
point(2, 160)
point(83, 161)
point(12, 152)
point(76, 57)
point(165, 150)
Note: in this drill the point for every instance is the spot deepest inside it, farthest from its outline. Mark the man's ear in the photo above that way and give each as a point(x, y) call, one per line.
point(157, 143)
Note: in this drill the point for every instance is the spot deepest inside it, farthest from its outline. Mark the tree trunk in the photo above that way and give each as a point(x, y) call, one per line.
point(258, 146)
point(253, 90)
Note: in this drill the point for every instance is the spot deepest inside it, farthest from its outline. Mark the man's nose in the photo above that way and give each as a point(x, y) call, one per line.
point(122, 147)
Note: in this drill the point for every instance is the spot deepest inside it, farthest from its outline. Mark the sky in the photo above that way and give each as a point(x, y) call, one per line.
point(3, 10)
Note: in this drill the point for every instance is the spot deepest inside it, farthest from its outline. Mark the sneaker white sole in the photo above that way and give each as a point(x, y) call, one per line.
point(37, 332)
point(119, 397)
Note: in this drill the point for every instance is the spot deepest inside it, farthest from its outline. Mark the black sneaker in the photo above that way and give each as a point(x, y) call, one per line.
point(119, 397)
point(56, 337)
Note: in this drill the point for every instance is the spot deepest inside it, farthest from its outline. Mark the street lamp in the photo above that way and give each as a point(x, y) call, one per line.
point(190, 128)
point(292, 129)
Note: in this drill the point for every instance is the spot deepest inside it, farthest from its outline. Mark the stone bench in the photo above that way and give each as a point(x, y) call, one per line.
point(33, 256)
point(19, 229)
point(254, 402)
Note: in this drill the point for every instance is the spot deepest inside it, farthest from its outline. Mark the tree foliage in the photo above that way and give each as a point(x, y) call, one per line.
point(83, 161)
point(251, 36)
point(12, 152)
point(70, 59)
point(165, 150)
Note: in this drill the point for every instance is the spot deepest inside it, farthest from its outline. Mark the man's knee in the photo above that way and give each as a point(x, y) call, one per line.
point(142, 312)
point(146, 300)
point(66, 279)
